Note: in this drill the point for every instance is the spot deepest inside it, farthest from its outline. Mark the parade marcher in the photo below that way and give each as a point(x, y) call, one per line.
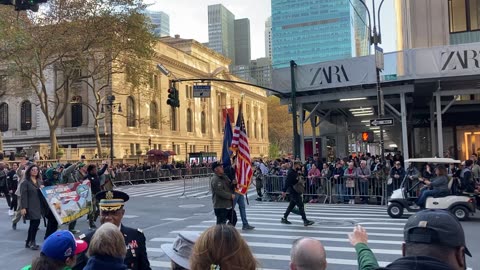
point(58, 252)
point(4, 184)
point(239, 198)
point(51, 180)
point(12, 184)
point(295, 197)
point(438, 185)
point(71, 174)
point(94, 176)
point(32, 205)
point(222, 193)
point(21, 178)
point(111, 205)
point(181, 250)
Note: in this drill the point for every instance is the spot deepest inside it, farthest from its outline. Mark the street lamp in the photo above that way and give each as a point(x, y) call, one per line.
point(111, 105)
point(375, 39)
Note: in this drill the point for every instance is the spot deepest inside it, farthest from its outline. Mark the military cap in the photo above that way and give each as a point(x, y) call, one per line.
point(111, 200)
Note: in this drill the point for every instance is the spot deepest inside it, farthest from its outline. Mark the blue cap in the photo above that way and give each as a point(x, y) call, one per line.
point(61, 245)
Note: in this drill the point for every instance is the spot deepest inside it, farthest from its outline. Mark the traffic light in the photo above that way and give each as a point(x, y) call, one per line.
point(368, 137)
point(27, 4)
point(173, 99)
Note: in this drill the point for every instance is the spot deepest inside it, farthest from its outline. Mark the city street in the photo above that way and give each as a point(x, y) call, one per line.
point(161, 213)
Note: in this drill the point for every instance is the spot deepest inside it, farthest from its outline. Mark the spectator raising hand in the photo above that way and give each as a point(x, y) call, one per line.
point(359, 239)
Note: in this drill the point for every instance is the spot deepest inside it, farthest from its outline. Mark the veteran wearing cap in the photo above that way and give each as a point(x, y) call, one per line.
point(434, 240)
point(111, 205)
point(222, 193)
point(180, 251)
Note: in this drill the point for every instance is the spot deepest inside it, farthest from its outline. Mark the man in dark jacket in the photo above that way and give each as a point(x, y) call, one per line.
point(295, 197)
point(94, 178)
point(222, 193)
point(434, 240)
point(111, 205)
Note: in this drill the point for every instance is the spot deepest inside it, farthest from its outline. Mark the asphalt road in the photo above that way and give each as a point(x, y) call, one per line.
point(162, 209)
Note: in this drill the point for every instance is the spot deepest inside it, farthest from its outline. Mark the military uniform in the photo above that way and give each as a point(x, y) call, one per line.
point(136, 257)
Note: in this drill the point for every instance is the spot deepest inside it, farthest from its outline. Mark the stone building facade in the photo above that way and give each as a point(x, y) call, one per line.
point(146, 121)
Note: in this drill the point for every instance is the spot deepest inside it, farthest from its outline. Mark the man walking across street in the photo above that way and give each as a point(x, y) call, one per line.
point(222, 193)
point(239, 198)
point(295, 197)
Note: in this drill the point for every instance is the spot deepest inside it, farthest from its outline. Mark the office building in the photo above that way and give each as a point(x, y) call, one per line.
point(261, 71)
point(221, 31)
point(161, 21)
point(242, 42)
point(312, 31)
point(268, 38)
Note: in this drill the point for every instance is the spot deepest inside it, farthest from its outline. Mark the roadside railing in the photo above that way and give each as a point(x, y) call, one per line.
point(157, 175)
point(332, 190)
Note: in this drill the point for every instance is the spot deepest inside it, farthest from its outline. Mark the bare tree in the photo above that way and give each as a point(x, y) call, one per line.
point(56, 43)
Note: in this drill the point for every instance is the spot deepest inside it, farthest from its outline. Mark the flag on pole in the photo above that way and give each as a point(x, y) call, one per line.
point(227, 141)
point(243, 170)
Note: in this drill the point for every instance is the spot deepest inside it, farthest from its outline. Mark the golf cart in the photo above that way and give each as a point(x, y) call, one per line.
point(403, 199)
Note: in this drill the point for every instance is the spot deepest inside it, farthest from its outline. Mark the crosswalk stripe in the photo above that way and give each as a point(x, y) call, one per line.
point(332, 213)
point(318, 225)
point(328, 218)
point(293, 237)
point(307, 231)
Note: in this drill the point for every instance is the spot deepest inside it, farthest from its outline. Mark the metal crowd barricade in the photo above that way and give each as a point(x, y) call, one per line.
point(318, 189)
point(273, 185)
point(360, 190)
point(197, 185)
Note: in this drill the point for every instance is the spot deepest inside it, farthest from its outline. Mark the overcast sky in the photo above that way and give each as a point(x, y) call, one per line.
point(189, 19)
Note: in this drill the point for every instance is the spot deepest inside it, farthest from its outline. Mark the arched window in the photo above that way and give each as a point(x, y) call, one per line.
point(173, 118)
point(203, 123)
point(3, 117)
point(26, 115)
point(130, 112)
point(77, 112)
point(189, 120)
point(153, 115)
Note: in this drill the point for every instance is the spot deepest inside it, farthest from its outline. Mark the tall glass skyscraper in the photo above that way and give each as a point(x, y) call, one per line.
point(161, 21)
point(221, 31)
point(311, 31)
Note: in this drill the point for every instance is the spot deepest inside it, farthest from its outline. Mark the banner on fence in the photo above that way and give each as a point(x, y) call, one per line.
point(69, 202)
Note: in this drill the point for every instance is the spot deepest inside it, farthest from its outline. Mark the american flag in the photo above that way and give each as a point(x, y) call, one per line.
point(243, 171)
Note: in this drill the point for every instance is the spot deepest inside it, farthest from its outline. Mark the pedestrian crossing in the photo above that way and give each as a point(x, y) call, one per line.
point(187, 188)
point(271, 240)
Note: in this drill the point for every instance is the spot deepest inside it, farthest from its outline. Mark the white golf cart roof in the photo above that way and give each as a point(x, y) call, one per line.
point(433, 160)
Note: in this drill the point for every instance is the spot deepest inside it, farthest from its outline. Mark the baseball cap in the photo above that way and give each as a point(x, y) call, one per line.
point(62, 244)
point(215, 165)
point(435, 226)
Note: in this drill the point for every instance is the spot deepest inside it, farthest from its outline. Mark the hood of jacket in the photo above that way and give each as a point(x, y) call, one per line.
point(418, 263)
point(105, 262)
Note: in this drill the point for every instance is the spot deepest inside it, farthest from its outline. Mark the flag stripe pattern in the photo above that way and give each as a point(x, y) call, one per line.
point(243, 169)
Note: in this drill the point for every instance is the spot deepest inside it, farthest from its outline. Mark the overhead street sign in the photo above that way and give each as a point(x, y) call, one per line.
point(202, 90)
point(381, 122)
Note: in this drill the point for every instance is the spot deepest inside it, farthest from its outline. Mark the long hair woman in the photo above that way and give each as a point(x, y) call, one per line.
point(222, 247)
point(32, 204)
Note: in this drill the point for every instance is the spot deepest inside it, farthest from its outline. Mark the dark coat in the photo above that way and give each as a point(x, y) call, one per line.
point(105, 262)
point(417, 262)
point(136, 258)
point(292, 179)
point(32, 199)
